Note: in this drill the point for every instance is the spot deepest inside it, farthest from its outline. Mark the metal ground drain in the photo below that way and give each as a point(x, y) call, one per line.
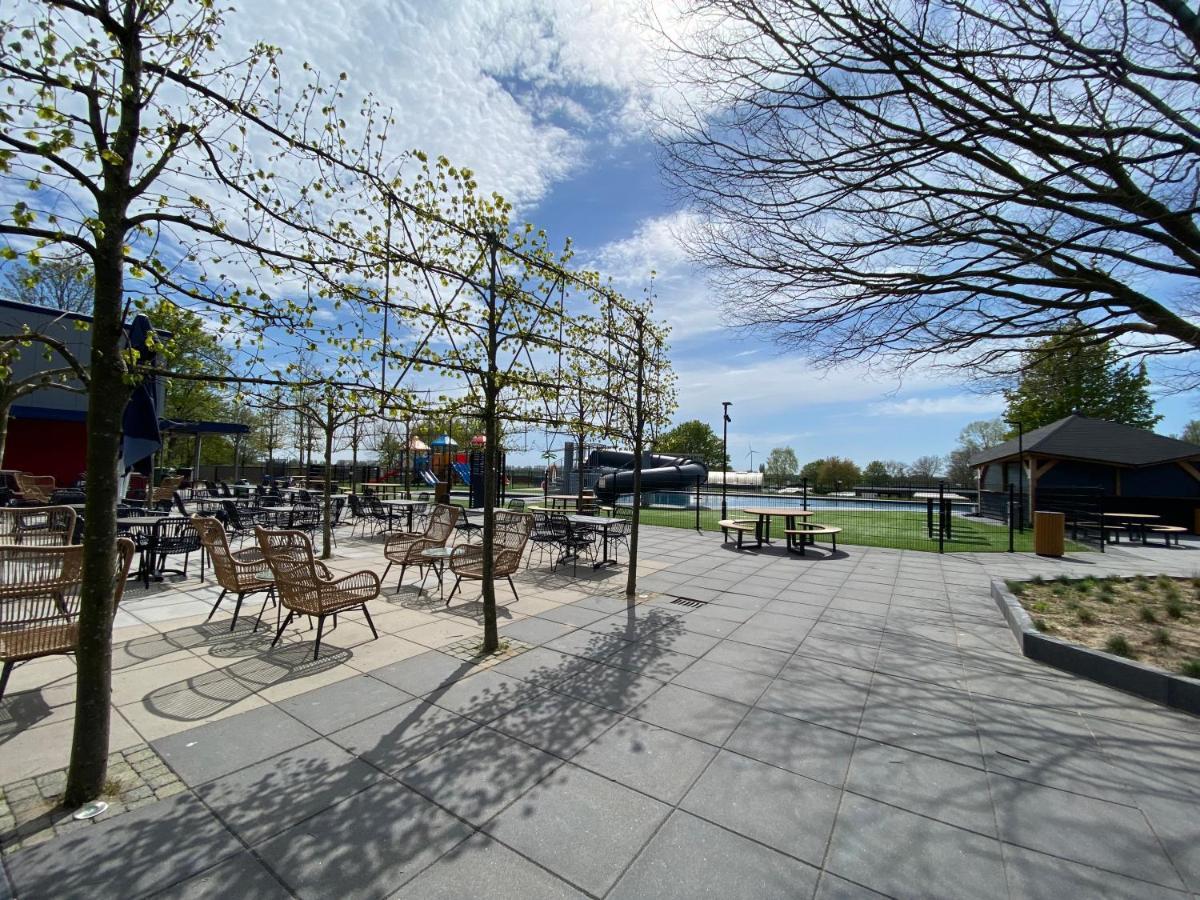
point(688, 601)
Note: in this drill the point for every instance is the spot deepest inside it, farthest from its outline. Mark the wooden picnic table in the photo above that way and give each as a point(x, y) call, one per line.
point(380, 486)
point(762, 529)
point(1134, 522)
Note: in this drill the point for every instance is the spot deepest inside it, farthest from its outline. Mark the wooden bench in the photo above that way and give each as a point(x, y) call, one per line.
point(808, 533)
point(1109, 533)
point(740, 527)
point(1167, 531)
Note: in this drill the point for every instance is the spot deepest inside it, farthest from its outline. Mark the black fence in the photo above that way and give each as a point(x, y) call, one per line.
point(906, 517)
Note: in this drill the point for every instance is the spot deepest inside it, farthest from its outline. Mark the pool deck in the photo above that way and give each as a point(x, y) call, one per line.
point(850, 725)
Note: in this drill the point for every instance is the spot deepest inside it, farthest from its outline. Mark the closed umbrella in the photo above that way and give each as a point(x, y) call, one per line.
point(141, 436)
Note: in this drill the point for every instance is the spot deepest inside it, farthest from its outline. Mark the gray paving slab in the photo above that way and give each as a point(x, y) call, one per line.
point(801, 747)
point(541, 667)
point(913, 729)
point(536, 630)
point(692, 713)
point(788, 812)
point(1083, 829)
point(484, 696)
point(238, 876)
point(569, 614)
point(691, 858)
point(127, 856)
point(485, 869)
point(270, 796)
point(584, 828)
point(1037, 876)
point(612, 688)
point(1175, 822)
point(832, 887)
point(902, 854)
point(957, 795)
point(479, 774)
point(649, 658)
point(400, 736)
point(420, 674)
point(209, 751)
point(335, 706)
point(587, 644)
point(366, 846)
point(557, 723)
point(762, 660)
point(647, 758)
point(820, 692)
point(713, 678)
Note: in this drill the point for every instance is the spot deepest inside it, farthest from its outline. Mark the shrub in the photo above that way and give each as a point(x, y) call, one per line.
point(1086, 616)
point(1017, 588)
point(1190, 668)
point(1141, 582)
point(1038, 579)
point(1040, 606)
point(1162, 637)
point(1146, 614)
point(1118, 645)
point(1106, 594)
point(1174, 608)
point(1170, 590)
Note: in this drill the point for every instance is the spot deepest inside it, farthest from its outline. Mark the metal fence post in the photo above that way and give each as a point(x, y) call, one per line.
point(941, 517)
point(804, 482)
point(697, 504)
point(1009, 515)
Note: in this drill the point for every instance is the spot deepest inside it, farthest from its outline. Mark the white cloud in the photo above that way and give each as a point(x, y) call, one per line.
point(954, 404)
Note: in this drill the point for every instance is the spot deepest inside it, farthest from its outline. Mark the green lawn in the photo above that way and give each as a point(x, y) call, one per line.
point(900, 529)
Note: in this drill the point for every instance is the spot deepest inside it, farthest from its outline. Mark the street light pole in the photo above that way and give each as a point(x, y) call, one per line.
point(725, 404)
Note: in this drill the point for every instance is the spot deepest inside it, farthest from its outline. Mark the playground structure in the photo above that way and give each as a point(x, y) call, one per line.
point(445, 464)
point(659, 473)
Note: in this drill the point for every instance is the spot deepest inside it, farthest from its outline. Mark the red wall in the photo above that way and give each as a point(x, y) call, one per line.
point(47, 447)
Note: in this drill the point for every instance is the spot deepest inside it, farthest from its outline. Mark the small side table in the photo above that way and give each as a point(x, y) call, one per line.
point(437, 557)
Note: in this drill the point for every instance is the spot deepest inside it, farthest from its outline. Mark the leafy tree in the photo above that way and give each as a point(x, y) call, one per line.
point(58, 282)
point(950, 177)
point(975, 436)
point(829, 471)
point(124, 146)
point(1077, 371)
point(696, 439)
point(876, 472)
point(782, 462)
point(1191, 432)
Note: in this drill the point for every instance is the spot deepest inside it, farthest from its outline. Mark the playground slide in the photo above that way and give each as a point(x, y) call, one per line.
point(664, 473)
point(429, 478)
point(463, 471)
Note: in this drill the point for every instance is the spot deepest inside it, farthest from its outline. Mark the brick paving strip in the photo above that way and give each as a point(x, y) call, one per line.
point(30, 812)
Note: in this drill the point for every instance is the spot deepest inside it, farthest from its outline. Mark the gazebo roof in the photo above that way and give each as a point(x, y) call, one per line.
point(1094, 440)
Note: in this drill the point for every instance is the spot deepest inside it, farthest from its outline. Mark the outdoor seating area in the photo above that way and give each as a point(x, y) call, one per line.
point(805, 721)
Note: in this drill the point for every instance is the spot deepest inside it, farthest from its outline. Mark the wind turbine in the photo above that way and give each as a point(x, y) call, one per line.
point(751, 455)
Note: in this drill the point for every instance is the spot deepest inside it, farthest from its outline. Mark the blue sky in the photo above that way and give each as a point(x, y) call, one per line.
point(546, 100)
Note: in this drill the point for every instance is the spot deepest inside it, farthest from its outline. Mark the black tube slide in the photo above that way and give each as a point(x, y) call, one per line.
point(662, 473)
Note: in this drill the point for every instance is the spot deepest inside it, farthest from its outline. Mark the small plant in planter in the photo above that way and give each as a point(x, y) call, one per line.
point(1119, 645)
point(1190, 668)
point(1174, 608)
point(1162, 637)
point(1086, 616)
point(1147, 615)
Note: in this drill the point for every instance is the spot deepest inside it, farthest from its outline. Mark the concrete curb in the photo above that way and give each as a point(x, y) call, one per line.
point(1176, 691)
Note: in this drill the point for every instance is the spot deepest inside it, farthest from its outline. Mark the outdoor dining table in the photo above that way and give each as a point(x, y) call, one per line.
point(603, 523)
point(762, 528)
point(561, 501)
point(143, 530)
point(408, 505)
point(380, 487)
point(1134, 522)
point(945, 509)
point(280, 516)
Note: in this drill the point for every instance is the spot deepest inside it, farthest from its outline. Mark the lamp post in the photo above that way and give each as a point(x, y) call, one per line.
point(725, 404)
point(1021, 477)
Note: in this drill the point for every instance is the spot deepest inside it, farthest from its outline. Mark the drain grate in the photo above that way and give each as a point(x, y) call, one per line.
point(688, 601)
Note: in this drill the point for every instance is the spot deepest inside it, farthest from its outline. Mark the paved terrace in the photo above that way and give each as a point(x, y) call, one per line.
point(851, 726)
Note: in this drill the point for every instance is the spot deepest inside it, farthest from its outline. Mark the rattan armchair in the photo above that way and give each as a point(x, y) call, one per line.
point(35, 488)
point(241, 572)
point(38, 526)
point(39, 600)
point(305, 586)
point(508, 544)
point(163, 494)
point(406, 547)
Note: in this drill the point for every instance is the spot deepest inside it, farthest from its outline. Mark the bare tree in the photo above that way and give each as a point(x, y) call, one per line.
point(59, 282)
point(946, 178)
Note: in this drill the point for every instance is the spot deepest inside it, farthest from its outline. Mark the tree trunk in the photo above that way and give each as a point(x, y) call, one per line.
point(327, 511)
point(5, 408)
point(639, 440)
point(107, 396)
point(491, 633)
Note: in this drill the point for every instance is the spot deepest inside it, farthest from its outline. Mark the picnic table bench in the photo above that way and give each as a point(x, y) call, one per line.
point(740, 527)
point(1168, 531)
point(807, 533)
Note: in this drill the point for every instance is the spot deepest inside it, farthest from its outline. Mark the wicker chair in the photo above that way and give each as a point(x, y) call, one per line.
point(39, 526)
point(35, 488)
point(306, 587)
point(242, 572)
point(508, 545)
point(39, 600)
point(162, 495)
point(405, 547)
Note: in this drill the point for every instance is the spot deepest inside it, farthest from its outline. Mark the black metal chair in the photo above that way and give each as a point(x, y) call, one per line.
point(579, 538)
point(618, 535)
point(547, 535)
point(180, 507)
point(516, 503)
point(67, 497)
point(172, 536)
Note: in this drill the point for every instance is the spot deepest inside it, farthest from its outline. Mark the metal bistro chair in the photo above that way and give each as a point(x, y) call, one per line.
point(40, 526)
point(406, 547)
point(243, 572)
point(508, 544)
point(618, 535)
point(172, 536)
point(67, 496)
point(305, 587)
point(39, 600)
point(578, 539)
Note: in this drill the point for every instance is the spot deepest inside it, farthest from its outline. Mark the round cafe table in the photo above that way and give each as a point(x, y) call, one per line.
point(762, 528)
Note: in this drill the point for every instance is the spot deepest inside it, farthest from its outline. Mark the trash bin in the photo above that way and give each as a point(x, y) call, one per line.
point(1048, 533)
